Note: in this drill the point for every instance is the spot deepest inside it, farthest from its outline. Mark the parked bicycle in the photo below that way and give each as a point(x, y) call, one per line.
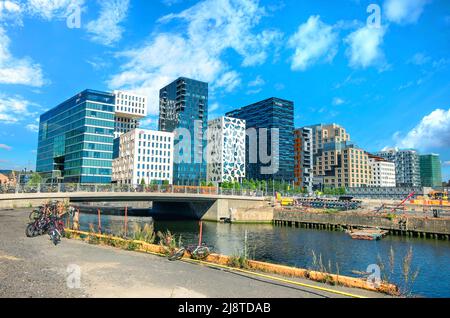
point(195, 251)
point(48, 219)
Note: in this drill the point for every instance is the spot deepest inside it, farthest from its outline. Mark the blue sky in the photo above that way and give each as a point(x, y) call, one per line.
point(387, 84)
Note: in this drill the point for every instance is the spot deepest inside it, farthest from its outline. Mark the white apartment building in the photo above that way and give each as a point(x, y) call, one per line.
point(226, 150)
point(144, 155)
point(129, 109)
point(383, 173)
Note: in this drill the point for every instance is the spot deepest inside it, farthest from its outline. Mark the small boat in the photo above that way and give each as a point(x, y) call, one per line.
point(367, 234)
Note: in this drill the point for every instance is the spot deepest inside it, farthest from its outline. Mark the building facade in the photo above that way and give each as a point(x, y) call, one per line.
point(183, 109)
point(407, 166)
point(129, 109)
point(76, 139)
point(304, 167)
point(338, 163)
point(431, 170)
point(226, 150)
point(270, 143)
point(383, 172)
point(144, 156)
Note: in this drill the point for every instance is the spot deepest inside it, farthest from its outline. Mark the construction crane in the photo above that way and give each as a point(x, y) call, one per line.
point(404, 201)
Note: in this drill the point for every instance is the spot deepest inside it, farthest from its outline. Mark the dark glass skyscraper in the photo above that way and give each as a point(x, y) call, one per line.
point(184, 107)
point(272, 113)
point(76, 139)
point(431, 170)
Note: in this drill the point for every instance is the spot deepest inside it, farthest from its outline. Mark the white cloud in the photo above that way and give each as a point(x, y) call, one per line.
point(10, 11)
point(149, 123)
point(106, 29)
point(313, 41)
point(338, 101)
point(433, 132)
point(5, 147)
point(404, 11)
point(32, 127)
point(213, 107)
point(364, 47)
point(419, 59)
point(17, 70)
point(229, 81)
point(258, 81)
point(211, 29)
point(50, 9)
point(14, 109)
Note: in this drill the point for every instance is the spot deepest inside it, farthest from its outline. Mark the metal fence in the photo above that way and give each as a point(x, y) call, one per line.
point(118, 188)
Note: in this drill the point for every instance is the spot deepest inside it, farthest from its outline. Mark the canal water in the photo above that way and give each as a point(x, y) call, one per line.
point(296, 246)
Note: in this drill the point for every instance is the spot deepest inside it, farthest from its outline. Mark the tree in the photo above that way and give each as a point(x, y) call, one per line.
point(35, 179)
point(143, 182)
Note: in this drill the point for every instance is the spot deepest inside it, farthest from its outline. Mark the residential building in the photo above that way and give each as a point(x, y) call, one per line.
point(76, 139)
point(144, 155)
point(407, 166)
point(226, 150)
point(431, 170)
point(183, 110)
point(325, 133)
point(270, 143)
point(304, 167)
point(383, 172)
point(129, 109)
point(338, 162)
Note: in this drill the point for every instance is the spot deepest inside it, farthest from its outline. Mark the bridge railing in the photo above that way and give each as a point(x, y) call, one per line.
point(119, 188)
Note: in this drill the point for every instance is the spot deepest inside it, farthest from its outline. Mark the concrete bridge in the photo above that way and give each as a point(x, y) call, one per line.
point(208, 207)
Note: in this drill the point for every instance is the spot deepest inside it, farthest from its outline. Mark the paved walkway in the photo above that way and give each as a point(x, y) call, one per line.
point(33, 267)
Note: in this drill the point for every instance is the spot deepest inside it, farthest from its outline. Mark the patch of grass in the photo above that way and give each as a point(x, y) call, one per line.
point(169, 242)
point(92, 239)
point(331, 211)
point(409, 275)
point(144, 234)
point(391, 216)
point(238, 261)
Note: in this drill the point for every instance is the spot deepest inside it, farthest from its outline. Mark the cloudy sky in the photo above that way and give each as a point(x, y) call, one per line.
point(387, 83)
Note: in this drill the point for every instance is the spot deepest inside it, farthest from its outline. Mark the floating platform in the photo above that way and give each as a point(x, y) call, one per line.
point(367, 234)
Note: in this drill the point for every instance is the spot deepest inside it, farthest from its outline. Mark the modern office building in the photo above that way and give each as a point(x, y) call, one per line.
point(76, 139)
point(304, 167)
point(226, 150)
point(183, 110)
point(129, 109)
point(407, 166)
point(338, 163)
point(383, 172)
point(270, 143)
point(431, 170)
point(144, 155)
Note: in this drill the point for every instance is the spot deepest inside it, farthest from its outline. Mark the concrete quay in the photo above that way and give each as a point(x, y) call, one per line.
point(438, 228)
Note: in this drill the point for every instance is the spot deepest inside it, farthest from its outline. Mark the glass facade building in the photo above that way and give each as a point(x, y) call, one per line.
point(184, 110)
point(76, 139)
point(430, 170)
point(276, 114)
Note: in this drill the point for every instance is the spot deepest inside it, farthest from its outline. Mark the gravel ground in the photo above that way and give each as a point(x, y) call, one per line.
point(33, 267)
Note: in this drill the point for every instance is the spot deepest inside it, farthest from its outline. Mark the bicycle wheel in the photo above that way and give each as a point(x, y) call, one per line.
point(201, 252)
point(34, 215)
point(178, 255)
point(30, 230)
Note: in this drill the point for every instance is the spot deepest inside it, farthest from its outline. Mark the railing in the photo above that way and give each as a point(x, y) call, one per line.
point(118, 188)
